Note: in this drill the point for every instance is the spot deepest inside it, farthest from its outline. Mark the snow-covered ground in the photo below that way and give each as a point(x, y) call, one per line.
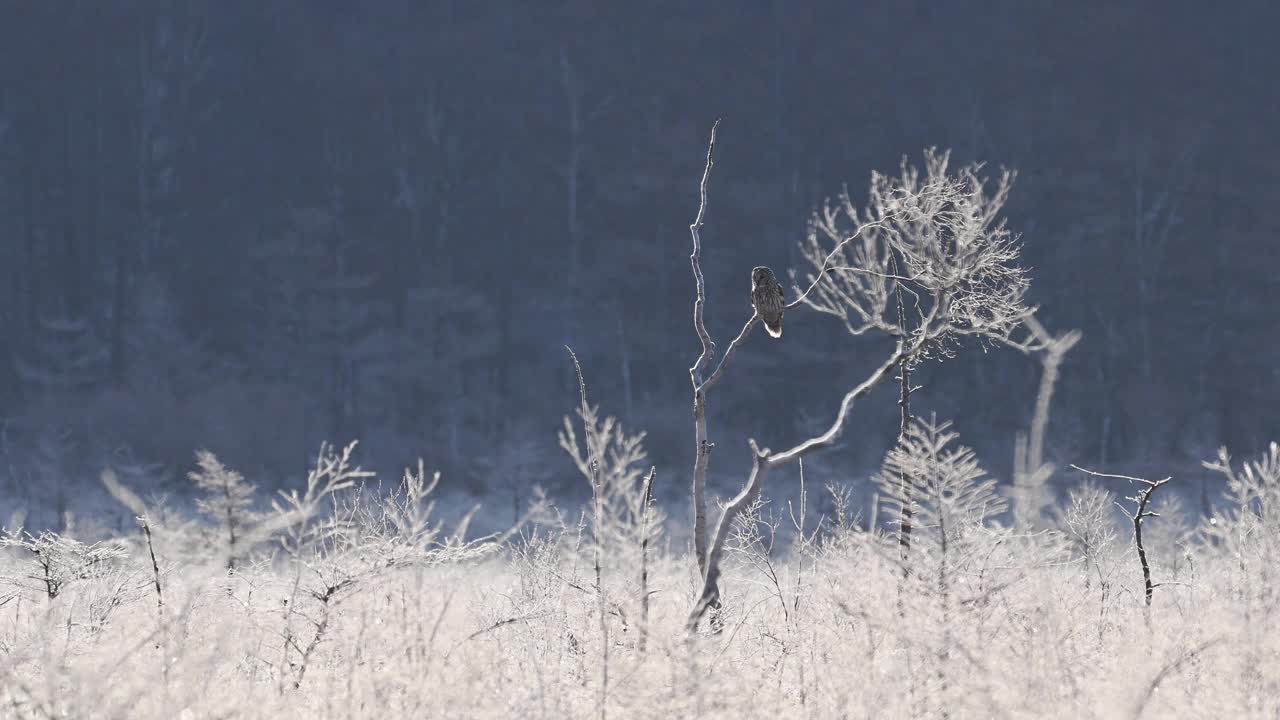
point(380, 616)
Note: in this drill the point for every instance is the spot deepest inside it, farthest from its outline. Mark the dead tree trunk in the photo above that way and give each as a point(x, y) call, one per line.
point(1030, 472)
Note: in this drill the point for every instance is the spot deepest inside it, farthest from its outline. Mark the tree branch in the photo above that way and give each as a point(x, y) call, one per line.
point(837, 427)
point(695, 259)
point(728, 353)
point(762, 462)
point(702, 447)
point(826, 264)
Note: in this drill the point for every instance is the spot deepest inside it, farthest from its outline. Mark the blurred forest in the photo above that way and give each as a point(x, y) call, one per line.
point(251, 227)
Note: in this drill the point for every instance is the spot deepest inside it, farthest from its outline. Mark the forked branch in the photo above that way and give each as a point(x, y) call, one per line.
point(1136, 516)
point(828, 267)
point(762, 462)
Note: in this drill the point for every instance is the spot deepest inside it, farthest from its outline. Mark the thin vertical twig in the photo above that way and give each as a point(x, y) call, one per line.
point(644, 558)
point(597, 491)
point(145, 522)
point(904, 420)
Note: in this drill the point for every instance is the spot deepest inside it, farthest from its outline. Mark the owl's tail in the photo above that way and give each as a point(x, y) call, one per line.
point(774, 329)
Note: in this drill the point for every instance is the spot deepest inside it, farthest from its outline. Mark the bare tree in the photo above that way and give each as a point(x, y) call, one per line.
point(934, 235)
point(702, 386)
point(1140, 500)
point(1030, 472)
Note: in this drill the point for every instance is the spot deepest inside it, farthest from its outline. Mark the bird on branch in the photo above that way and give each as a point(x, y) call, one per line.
point(766, 298)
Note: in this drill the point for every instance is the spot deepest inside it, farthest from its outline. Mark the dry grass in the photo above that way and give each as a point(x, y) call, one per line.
point(1030, 626)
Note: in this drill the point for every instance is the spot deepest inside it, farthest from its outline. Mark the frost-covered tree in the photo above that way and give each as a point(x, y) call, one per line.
point(226, 499)
point(629, 521)
point(950, 501)
point(929, 263)
point(59, 560)
point(948, 492)
point(628, 515)
point(1245, 533)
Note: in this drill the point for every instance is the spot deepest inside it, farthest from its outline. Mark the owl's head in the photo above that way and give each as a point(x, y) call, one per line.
point(761, 275)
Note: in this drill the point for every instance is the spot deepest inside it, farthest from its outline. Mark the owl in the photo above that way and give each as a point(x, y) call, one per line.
point(766, 298)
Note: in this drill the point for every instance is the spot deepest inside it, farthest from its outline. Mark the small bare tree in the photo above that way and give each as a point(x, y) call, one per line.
point(1245, 532)
point(934, 235)
point(628, 521)
point(1141, 501)
point(59, 560)
point(621, 465)
point(226, 501)
point(1253, 493)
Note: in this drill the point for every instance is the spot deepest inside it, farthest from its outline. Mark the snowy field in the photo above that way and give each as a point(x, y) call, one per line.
point(345, 603)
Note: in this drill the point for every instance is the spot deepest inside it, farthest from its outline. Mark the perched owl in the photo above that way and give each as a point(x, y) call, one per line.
point(766, 298)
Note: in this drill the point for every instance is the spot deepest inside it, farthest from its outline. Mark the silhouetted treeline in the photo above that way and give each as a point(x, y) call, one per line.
point(251, 226)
